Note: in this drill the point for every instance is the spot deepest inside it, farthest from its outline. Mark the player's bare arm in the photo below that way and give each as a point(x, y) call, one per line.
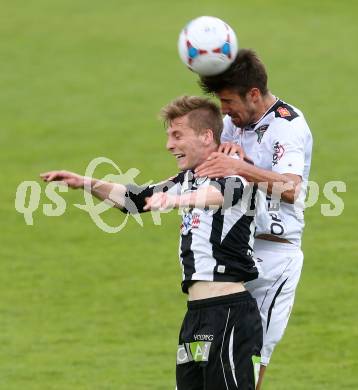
point(221, 165)
point(102, 190)
point(73, 180)
point(203, 197)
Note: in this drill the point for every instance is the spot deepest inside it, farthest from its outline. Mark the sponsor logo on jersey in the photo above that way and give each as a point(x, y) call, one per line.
point(260, 131)
point(272, 204)
point(278, 152)
point(283, 111)
point(276, 227)
point(195, 222)
point(190, 221)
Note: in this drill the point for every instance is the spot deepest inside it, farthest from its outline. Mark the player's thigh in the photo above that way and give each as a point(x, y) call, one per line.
point(189, 376)
point(232, 365)
point(275, 315)
point(279, 300)
point(276, 297)
point(279, 295)
point(280, 275)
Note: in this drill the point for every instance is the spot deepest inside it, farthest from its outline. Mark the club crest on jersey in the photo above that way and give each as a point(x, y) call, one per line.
point(190, 221)
point(278, 152)
point(260, 131)
point(283, 111)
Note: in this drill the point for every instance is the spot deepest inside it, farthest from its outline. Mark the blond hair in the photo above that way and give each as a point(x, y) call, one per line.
point(202, 114)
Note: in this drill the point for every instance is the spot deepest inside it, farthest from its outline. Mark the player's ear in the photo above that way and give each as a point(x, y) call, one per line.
point(208, 136)
point(254, 94)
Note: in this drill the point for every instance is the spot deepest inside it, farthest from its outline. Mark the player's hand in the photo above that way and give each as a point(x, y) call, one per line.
point(219, 165)
point(70, 178)
point(231, 149)
point(160, 201)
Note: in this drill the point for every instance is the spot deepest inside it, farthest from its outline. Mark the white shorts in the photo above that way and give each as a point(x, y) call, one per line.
point(275, 288)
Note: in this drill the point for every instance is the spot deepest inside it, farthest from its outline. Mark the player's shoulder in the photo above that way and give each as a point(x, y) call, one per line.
point(285, 111)
point(288, 120)
point(178, 178)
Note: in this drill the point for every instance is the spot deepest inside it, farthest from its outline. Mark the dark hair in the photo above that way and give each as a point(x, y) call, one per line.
point(202, 114)
point(246, 72)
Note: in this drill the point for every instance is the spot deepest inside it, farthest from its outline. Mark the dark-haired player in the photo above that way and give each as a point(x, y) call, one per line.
point(276, 137)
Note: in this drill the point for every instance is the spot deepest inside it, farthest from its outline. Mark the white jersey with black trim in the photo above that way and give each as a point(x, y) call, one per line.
point(215, 244)
point(281, 142)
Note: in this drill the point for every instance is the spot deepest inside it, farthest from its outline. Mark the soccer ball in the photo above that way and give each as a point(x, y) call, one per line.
point(207, 45)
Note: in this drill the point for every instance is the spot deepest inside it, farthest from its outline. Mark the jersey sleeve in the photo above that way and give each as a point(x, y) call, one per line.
point(135, 195)
point(286, 148)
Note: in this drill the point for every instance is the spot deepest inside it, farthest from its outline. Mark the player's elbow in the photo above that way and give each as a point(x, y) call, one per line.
point(289, 197)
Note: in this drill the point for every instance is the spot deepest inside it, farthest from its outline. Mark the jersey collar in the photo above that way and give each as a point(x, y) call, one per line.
point(272, 108)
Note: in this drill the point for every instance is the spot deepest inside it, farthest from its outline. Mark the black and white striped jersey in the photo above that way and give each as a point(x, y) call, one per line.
point(215, 244)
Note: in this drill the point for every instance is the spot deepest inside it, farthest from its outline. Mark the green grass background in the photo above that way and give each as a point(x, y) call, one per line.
point(83, 309)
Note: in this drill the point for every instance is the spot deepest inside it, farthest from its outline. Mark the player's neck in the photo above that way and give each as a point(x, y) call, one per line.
point(267, 102)
point(208, 151)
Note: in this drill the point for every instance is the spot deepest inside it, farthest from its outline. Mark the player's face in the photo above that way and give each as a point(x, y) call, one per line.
point(188, 147)
point(241, 110)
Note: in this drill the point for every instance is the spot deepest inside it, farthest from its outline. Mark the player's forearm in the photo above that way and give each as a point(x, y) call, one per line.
point(270, 182)
point(104, 190)
point(205, 197)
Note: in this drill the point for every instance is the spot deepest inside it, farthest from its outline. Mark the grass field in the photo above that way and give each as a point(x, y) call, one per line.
point(83, 309)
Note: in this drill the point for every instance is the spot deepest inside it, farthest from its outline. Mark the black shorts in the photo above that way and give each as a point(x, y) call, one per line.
point(219, 344)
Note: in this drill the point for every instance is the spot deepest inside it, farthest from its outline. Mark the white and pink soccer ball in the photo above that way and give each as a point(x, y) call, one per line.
point(207, 45)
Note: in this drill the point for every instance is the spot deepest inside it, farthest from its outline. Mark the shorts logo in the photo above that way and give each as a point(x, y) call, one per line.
point(197, 351)
point(283, 112)
point(203, 337)
point(278, 152)
point(260, 131)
